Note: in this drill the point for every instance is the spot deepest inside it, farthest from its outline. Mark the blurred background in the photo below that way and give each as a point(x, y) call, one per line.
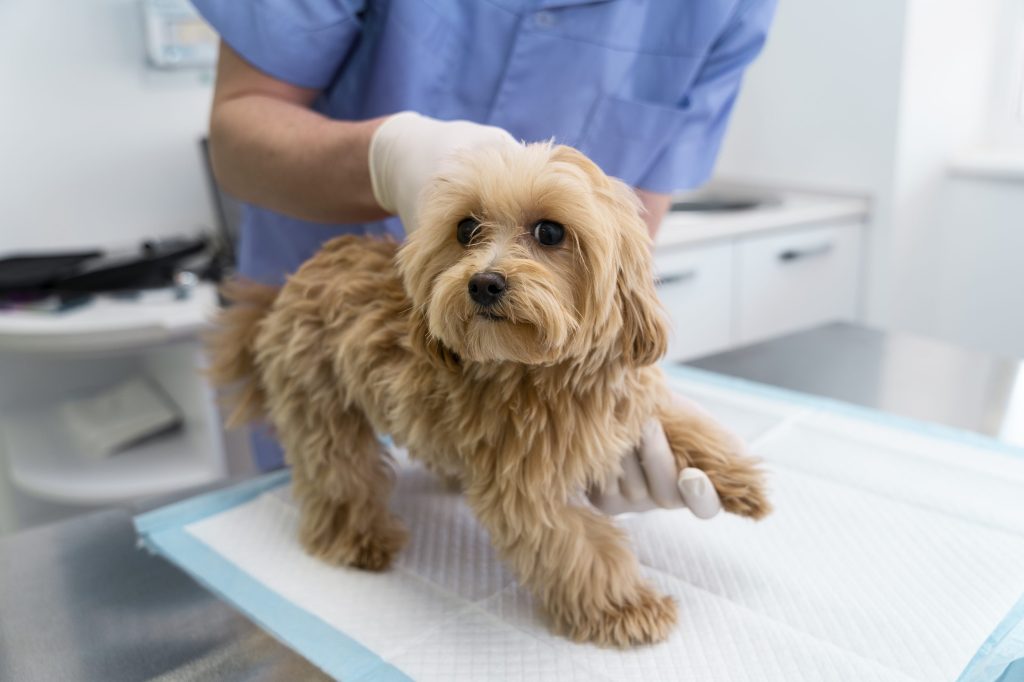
point(873, 172)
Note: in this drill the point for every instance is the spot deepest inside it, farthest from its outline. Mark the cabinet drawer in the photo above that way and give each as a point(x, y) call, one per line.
point(695, 286)
point(796, 280)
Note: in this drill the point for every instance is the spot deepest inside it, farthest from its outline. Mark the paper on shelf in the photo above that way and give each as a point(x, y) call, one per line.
point(118, 417)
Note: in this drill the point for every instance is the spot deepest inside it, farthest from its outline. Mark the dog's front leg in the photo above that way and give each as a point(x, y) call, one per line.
point(341, 479)
point(578, 565)
point(698, 440)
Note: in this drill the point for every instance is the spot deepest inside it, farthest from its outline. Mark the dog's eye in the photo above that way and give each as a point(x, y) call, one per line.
point(548, 232)
point(466, 229)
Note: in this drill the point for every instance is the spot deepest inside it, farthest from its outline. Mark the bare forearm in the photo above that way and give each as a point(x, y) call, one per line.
point(656, 205)
point(270, 149)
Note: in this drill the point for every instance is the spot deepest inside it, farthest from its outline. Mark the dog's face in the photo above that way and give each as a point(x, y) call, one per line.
point(531, 255)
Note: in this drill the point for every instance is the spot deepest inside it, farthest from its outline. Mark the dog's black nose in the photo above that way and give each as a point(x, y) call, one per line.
point(486, 288)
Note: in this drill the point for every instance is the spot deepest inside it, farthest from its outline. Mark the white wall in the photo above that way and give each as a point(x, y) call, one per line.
point(95, 148)
point(819, 107)
point(1006, 122)
point(948, 64)
point(879, 97)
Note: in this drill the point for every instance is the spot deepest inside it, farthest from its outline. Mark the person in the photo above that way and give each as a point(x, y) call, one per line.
point(329, 116)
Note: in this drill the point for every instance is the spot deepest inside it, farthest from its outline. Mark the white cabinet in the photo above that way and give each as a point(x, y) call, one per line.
point(695, 286)
point(795, 280)
point(751, 287)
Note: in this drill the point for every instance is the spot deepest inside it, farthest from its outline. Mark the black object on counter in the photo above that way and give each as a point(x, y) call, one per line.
point(31, 272)
point(36, 275)
point(153, 267)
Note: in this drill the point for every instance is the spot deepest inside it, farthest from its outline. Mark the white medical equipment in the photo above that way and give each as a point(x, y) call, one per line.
point(176, 36)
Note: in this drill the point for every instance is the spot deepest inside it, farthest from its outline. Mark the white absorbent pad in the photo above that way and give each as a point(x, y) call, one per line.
point(896, 552)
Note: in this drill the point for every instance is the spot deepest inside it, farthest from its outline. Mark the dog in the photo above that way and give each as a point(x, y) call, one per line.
point(509, 343)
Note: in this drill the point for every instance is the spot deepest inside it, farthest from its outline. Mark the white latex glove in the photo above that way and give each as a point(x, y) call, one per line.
point(406, 151)
point(650, 480)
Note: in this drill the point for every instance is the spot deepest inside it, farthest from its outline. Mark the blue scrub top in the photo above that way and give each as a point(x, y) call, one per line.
point(643, 87)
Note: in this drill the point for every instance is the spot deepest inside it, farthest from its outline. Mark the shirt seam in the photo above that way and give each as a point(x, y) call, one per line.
point(325, 27)
point(520, 23)
point(501, 7)
point(739, 13)
point(622, 48)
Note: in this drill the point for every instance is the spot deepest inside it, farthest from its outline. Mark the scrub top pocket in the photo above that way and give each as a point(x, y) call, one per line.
point(626, 136)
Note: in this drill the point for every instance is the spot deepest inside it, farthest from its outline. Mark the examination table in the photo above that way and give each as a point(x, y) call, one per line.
point(79, 600)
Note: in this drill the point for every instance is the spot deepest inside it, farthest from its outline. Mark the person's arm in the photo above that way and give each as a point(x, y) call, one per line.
point(687, 160)
point(269, 148)
point(655, 207)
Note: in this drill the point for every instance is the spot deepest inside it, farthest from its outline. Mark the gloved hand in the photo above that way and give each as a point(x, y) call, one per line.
point(650, 479)
point(405, 153)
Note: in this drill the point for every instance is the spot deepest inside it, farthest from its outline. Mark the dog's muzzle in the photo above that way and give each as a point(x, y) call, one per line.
point(487, 288)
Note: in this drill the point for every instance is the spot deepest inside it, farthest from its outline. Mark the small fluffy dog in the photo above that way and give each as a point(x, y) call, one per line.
point(509, 343)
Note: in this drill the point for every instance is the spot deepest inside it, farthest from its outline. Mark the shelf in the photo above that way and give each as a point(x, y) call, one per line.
point(44, 462)
point(109, 323)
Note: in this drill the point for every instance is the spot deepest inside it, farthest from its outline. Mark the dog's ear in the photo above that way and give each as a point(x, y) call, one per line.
point(644, 328)
point(425, 343)
point(571, 155)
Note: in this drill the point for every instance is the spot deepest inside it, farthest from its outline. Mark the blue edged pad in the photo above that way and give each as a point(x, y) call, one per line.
point(822, 585)
point(1001, 657)
point(162, 531)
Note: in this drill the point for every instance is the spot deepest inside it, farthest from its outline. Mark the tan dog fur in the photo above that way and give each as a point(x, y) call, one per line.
point(369, 337)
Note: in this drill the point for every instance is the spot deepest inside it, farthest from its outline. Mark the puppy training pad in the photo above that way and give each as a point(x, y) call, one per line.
point(896, 552)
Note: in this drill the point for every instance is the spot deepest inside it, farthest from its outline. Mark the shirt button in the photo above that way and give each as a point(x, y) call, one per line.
point(544, 19)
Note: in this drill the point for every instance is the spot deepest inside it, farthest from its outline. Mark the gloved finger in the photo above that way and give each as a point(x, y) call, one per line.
point(606, 496)
point(659, 466)
point(700, 495)
point(632, 483)
point(611, 502)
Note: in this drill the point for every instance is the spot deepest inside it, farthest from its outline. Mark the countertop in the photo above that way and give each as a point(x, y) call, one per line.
point(782, 209)
point(80, 601)
point(109, 322)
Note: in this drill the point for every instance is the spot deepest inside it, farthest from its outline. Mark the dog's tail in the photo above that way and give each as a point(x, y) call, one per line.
point(231, 348)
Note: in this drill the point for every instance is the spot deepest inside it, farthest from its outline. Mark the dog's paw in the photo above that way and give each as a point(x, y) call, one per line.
point(752, 502)
point(452, 484)
point(648, 618)
point(377, 551)
point(371, 550)
point(742, 490)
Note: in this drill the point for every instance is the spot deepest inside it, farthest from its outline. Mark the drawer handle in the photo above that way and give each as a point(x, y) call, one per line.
point(790, 255)
point(675, 278)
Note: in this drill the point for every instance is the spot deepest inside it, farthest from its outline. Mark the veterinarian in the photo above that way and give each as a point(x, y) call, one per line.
point(304, 126)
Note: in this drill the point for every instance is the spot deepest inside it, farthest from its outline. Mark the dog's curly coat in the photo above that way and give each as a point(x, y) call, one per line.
point(525, 405)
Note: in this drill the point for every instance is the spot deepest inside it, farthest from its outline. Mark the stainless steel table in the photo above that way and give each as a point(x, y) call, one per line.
point(897, 373)
point(79, 601)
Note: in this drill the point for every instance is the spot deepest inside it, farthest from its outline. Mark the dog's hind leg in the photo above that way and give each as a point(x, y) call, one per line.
point(697, 440)
point(342, 479)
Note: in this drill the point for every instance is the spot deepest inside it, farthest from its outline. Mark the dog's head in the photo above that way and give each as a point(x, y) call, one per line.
point(531, 254)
